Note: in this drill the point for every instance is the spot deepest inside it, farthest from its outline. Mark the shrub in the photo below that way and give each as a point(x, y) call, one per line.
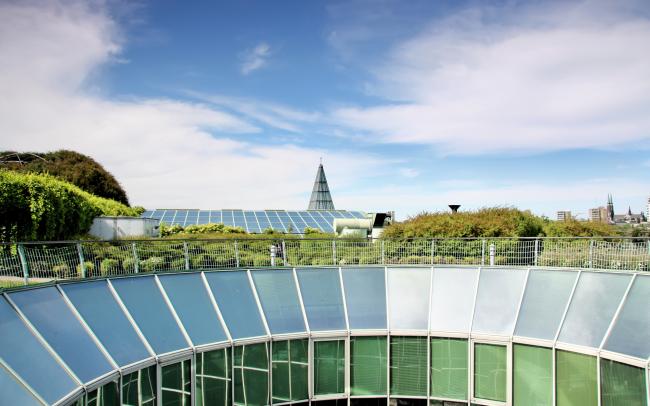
point(152, 264)
point(108, 266)
point(128, 264)
point(178, 264)
point(90, 268)
point(61, 271)
point(41, 207)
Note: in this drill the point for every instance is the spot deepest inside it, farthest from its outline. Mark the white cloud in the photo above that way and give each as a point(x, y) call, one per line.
point(164, 152)
point(409, 172)
point(532, 78)
point(255, 58)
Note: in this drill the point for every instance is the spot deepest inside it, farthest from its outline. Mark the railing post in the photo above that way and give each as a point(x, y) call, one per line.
point(383, 253)
point(236, 255)
point(591, 253)
point(284, 253)
point(536, 251)
point(274, 251)
point(136, 260)
point(433, 249)
point(334, 252)
point(492, 252)
point(23, 262)
point(82, 262)
point(483, 242)
point(187, 256)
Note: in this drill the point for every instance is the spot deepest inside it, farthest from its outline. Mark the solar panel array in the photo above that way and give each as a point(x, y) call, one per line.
point(256, 221)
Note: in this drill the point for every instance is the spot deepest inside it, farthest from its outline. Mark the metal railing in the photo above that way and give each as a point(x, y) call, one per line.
point(34, 262)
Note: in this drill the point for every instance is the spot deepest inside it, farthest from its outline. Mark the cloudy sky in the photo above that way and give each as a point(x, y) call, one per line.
point(411, 105)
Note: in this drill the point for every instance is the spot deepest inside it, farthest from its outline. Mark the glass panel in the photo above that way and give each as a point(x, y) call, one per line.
point(51, 316)
point(449, 368)
point(251, 375)
point(107, 395)
point(576, 379)
point(596, 298)
point(532, 376)
point(149, 310)
point(408, 291)
point(233, 294)
point(490, 372)
point(631, 333)
point(21, 351)
point(279, 297)
point(13, 393)
point(622, 385)
point(139, 388)
point(190, 299)
point(176, 384)
point(497, 301)
point(452, 299)
point(329, 367)
point(365, 297)
point(545, 299)
point(321, 295)
point(408, 366)
point(213, 378)
point(97, 306)
point(290, 371)
point(368, 365)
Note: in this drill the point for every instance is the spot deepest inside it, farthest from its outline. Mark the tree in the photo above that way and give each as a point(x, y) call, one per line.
point(70, 166)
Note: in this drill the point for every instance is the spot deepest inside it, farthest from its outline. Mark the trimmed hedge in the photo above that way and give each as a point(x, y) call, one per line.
point(42, 207)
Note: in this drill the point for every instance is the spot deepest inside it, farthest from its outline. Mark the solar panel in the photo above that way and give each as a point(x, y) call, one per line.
point(255, 221)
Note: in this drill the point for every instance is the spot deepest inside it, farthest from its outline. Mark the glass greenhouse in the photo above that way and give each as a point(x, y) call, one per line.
point(358, 336)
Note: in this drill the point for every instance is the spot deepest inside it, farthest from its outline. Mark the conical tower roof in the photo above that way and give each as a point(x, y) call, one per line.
point(320, 194)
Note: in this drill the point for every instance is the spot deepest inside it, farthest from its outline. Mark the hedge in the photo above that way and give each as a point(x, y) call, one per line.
point(41, 207)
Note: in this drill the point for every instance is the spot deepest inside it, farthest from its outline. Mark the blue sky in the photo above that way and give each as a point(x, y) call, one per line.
point(412, 105)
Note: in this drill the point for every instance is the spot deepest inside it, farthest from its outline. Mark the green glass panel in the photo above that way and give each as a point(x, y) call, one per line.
point(449, 368)
point(408, 366)
point(139, 384)
point(251, 375)
point(280, 351)
point(576, 379)
point(107, 395)
point(329, 367)
point(532, 376)
point(622, 385)
point(490, 372)
point(280, 388)
point(368, 366)
point(212, 378)
point(175, 378)
point(298, 355)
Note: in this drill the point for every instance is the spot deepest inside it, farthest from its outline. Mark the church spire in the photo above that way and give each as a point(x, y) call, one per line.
point(320, 194)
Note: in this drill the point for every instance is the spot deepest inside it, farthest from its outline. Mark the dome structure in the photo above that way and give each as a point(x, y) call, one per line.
point(416, 335)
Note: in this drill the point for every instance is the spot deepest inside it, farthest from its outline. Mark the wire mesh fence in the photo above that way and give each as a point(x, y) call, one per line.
point(24, 263)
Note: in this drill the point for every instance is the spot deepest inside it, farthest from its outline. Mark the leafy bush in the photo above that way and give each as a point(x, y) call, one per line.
point(41, 207)
point(109, 266)
point(90, 269)
point(61, 271)
point(175, 230)
point(152, 264)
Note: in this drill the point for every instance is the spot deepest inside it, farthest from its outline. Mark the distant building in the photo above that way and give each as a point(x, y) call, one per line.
point(647, 210)
point(321, 199)
point(563, 215)
point(610, 209)
point(598, 214)
point(629, 218)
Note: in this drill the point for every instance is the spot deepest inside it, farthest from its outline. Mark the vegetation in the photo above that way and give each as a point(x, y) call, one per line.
point(493, 222)
point(41, 207)
point(218, 230)
point(70, 166)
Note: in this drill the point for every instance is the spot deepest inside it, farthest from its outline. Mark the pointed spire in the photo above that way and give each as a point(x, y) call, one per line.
point(320, 194)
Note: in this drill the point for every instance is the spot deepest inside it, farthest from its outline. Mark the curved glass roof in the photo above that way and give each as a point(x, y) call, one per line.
point(79, 332)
